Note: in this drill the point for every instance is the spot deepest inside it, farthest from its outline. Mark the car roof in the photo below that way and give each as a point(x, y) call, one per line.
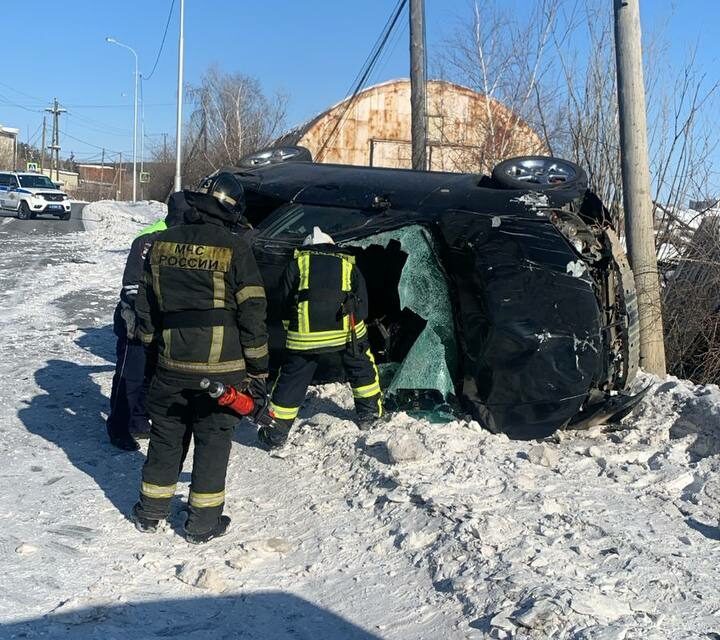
point(357, 186)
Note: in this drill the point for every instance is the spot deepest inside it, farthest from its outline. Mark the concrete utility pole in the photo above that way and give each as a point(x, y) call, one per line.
point(120, 181)
point(637, 200)
point(102, 171)
point(42, 145)
point(418, 85)
point(55, 146)
point(177, 186)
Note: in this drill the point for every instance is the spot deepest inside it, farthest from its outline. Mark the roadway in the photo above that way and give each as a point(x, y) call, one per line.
point(43, 225)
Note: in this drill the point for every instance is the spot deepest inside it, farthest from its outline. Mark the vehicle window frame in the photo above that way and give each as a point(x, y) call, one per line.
point(52, 184)
point(276, 217)
point(14, 182)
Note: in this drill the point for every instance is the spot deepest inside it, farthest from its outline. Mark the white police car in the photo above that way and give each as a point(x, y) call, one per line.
point(32, 193)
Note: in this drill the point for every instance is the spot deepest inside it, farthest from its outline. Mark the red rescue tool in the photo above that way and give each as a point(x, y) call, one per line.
point(228, 396)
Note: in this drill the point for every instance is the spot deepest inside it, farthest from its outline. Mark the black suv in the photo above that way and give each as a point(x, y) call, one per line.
point(505, 296)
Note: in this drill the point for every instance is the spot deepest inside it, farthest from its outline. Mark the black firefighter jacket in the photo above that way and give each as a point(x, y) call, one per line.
point(124, 319)
point(323, 291)
point(202, 300)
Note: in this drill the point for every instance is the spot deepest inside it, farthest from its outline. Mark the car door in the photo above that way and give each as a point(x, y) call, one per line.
point(4, 182)
point(13, 197)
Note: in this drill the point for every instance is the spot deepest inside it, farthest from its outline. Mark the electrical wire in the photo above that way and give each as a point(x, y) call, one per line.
point(364, 73)
point(162, 44)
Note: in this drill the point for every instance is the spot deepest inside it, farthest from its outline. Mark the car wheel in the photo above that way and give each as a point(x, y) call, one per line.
point(540, 173)
point(66, 216)
point(24, 212)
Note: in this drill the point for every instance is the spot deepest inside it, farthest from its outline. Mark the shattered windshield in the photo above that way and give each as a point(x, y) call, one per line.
point(299, 219)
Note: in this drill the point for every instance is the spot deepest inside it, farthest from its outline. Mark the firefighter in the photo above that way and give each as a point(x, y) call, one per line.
point(128, 418)
point(326, 305)
point(201, 308)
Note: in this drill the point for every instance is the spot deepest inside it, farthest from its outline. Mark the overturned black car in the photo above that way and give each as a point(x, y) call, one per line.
point(504, 296)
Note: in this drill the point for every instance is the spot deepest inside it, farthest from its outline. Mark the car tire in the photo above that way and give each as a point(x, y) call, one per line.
point(24, 212)
point(540, 173)
point(66, 216)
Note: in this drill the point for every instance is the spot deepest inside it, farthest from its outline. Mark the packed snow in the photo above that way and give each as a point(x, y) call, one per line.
point(413, 530)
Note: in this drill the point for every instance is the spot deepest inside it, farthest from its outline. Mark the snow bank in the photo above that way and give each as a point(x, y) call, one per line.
point(596, 534)
point(110, 224)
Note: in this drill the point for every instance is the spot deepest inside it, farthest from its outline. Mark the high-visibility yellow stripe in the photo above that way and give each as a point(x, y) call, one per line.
point(368, 391)
point(372, 389)
point(304, 316)
point(360, 327)
point(218, 290)
point(346, 275)
point(227, 366)
point(216, 344)
point(205, 500)
point(299, 341)
point(256, 352)
point(284, 413)
point(251, 291)
point(157, 491)
point(167, 339)
point(303, 261)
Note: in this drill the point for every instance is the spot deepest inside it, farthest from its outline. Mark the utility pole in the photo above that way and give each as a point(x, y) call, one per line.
point(102, 171)
point(55, 146)
point(120, 181)
point(177, 186)
point(142, 138)
point(42, 146)
point(165, 155)
point(418, 85)
point(637, 201)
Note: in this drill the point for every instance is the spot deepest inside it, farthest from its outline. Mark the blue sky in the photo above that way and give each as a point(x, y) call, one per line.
point(310, 49)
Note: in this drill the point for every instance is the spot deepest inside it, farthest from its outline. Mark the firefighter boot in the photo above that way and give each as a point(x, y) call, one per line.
point(143, 524)
point(220, 529)
point(273, 432)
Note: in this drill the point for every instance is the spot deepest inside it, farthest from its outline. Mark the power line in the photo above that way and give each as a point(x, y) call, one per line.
point(162, 44)
point(7, 101)
point(363, 74)
point(89, 144)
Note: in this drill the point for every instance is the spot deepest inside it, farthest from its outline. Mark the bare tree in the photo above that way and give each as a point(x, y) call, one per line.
point(232, 117)
point(556, 69)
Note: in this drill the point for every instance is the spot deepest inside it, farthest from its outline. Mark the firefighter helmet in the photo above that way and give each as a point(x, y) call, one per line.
point(226, 189)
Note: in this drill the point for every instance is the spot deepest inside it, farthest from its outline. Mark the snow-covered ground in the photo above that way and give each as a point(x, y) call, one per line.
point(412, 531)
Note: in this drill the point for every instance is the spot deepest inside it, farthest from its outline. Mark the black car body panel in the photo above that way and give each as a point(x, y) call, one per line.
point(531, 321)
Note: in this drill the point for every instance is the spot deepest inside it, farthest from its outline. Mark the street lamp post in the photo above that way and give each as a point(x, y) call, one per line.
point(135, 112)
point(177, 185)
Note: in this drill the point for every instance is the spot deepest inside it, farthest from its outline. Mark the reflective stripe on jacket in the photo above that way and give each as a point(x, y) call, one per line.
point(320, 286)
point(202, 301)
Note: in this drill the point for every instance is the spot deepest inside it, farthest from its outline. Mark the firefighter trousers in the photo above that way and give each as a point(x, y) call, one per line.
point(297, 373)
point(127, 400)
point(178, 412)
